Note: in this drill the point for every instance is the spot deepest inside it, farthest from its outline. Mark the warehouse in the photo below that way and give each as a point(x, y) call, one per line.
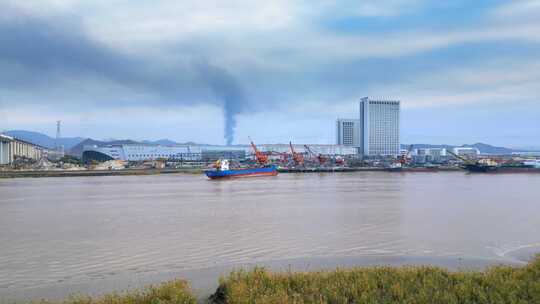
point(12, 148)
point(139, 152)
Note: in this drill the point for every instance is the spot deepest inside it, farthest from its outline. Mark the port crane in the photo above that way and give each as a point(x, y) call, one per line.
point(474, 165)
point(465, 160)
point(283, 156)
point(403, 159)
point(262, 158)
point(297, 157)
point(340, 161)
point(320, 158)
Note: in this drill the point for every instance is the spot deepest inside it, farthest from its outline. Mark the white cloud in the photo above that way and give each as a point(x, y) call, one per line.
point(264, 42)
point(374, 8)
point(517, 10)
point(487, 83)
point(181, 123)
point(243, 31)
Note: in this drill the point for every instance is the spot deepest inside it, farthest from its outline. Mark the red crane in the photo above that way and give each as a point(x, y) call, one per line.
point(297, 157)
point(403, 158)
point(320, 158)
point(284, 156)
point(261, 157)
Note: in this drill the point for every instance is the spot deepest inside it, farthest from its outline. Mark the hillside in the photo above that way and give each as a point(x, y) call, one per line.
point(44, 140)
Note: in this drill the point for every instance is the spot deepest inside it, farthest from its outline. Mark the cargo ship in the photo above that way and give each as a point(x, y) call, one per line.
point(223, 170)
point(525, 167)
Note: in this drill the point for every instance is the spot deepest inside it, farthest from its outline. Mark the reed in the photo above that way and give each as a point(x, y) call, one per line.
point(407, 284)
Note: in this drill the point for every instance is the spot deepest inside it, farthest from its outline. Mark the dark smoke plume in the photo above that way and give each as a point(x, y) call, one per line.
point(42, 52)
point(227, 88)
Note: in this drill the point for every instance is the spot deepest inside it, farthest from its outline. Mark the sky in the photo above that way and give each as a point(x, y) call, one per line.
point(220, 71)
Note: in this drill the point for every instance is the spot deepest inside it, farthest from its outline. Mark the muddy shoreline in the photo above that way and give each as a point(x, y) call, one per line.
point(204, 281)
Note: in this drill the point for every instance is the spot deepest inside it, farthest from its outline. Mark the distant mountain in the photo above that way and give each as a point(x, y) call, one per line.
point(489, 149)
point(44, 140)
point(484, 148)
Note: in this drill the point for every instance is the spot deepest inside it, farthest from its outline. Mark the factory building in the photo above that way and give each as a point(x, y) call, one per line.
point(209, 155)
point(139, 152)
point(341, 150)
point(467, 152)
point(379, 127)
point(12, 148)
point(347, 132)
point(144, 152)
point(429, 155)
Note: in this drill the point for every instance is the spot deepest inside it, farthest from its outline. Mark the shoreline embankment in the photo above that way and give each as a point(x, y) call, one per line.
point(72, 173)
point(126, 172)
point(299, 280)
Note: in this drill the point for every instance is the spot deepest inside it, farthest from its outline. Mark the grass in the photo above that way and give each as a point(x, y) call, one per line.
point(172, 292)
point(408, 284)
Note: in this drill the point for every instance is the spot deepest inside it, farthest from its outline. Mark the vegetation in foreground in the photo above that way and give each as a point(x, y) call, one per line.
point(172, 292)
point(500, 284)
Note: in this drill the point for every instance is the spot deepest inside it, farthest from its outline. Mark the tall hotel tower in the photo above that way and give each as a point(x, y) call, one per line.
point(347, 132)
point(379, 127)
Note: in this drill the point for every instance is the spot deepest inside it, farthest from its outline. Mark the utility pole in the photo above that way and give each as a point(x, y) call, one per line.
point(59, 147)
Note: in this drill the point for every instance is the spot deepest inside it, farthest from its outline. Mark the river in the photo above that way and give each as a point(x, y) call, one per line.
point(92, 234)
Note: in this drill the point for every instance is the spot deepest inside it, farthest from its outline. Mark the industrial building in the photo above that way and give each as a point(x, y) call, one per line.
point(144, 152)
point(12, 148)
point(347, 132)
point(379, 127)
point(213, 155)
point(468, 152)
point(429, 155)
point(341, 150)
point(139, 152)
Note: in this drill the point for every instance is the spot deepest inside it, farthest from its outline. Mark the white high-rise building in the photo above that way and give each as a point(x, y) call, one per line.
point(347, 132)
point(379, 127)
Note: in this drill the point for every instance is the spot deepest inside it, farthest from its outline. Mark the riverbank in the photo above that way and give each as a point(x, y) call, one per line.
point(127, 172)
point(68, 173)
point(445, 280)
point(420, 284)
point(368, 169)
point(205, 281)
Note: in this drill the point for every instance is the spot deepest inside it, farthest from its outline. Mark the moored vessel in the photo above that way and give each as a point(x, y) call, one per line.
point(523, 167)
point(223, 170)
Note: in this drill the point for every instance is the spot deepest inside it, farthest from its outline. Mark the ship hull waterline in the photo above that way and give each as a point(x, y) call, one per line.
point(240, 173)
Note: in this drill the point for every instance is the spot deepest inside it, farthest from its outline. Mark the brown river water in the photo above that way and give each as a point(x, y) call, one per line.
point(93, 234)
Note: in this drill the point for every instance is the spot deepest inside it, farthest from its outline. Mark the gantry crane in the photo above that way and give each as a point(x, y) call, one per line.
point(262, 158)
point(320, 158)
point(465, 160)
point(403, 159)
point(297, 157)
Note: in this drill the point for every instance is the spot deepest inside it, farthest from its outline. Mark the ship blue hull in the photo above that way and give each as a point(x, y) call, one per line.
point(247, 172)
